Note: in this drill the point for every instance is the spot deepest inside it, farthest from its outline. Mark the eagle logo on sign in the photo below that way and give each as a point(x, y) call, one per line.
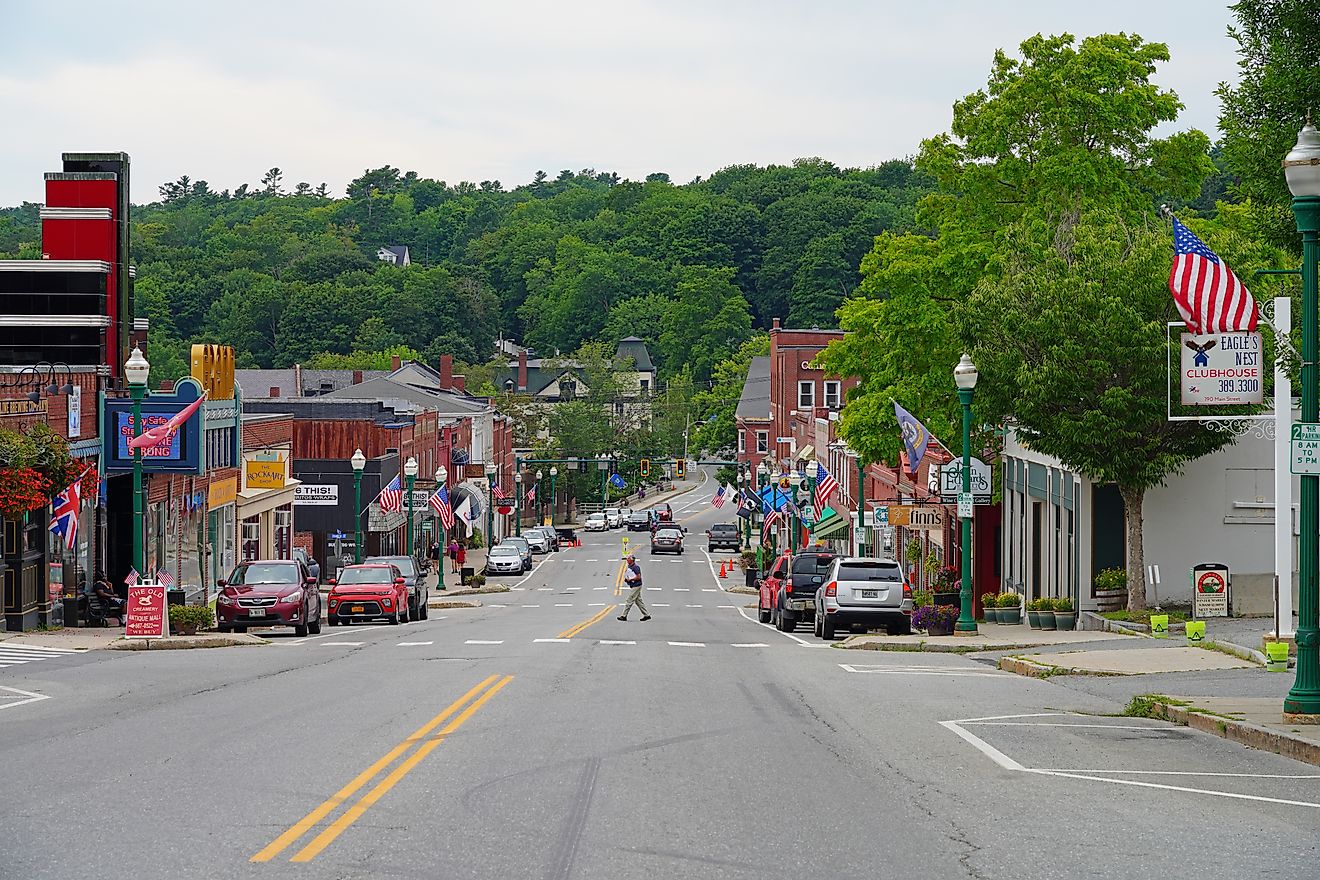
point(1202, 359)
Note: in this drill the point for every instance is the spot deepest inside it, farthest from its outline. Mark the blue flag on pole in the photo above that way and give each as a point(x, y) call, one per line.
point(617, 481)
point(916, 438)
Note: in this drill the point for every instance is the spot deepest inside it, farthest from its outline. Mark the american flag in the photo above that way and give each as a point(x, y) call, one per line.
point(826, 486)
point(440, 504)
point(531, 494)
point(499, 493)
point(768, 527)
point(718, 500)
point(164, 577)
point(65, 507)
point(132, 577)
point(1208, 295)
point(391, 497)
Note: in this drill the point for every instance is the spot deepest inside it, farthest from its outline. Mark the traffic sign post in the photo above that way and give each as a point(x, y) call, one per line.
point(1305, 447)
point(966, 502)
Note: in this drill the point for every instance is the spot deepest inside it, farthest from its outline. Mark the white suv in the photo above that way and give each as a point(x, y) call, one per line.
point(613, 517)
point(863, 591)
point(597, 522)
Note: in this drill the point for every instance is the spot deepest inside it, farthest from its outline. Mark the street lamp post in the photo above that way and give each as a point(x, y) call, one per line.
point(964, 376)
point(811, 469)
point(410, 473)
point(359, 461)
point(762, 475)
point(441, 478)
point(491, 471)
point(604, 478)
point(540, 502)
point(1301, 167)
point(136, 371)
point(554, 472)
point(861, 506)
point(517, 501)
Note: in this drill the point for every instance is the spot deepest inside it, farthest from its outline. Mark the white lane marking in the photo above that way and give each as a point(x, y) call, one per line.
point(616, 642)
point(984, 747)
point(1084, 726)
point(33, 653)
point(681, 590)
point(343, 644)
point(694, 606)
point(751, 645)
point(563, 604)
point(484, 642)
point(10, 661)
point(653, 589)
point(544, 589)
point(572, 589)
point(14, 697)
point(725, 606)
point(596, 604)
point(1190, 773)
point(498, 605)
point(45, 649)
point(413, 644)
point(688, 644)
point(949, 672)
point(592, 560)
point(600, 588)
point(803, 642)
point(554, 641)
point(361, 629)
point(660, 604)
point(709, 590)
point(531, 606)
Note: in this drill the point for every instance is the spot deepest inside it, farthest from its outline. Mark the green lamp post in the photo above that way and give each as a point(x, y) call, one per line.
point(554, 472)
point(1301, 167)
point(441, 479)
point(812, 469)
point(540, 502)
point(762, 477)
point(410, 475)
point(861, 504)
point(491, 471)
point(136, 371)
point(359, 461)
point(517, 500)
point(964, 376)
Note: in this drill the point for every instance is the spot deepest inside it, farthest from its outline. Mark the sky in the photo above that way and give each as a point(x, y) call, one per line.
point(498, 89)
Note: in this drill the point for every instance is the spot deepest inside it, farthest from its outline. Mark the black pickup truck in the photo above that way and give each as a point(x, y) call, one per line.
point(723, 535)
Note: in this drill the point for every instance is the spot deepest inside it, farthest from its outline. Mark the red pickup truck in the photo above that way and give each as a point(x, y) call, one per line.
point(788, 592)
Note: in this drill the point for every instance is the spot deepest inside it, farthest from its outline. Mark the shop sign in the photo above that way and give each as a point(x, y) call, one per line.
point(948, 479)
point(144, 613)
point(1221, 369)
point(263, 474)
point(22, 407)
point(913, 517)
point(182, 454)
point(1210, 590)
point(316, 495)
point(213, 367)
point(75, 413)
point(384, 521)
point(222, 492)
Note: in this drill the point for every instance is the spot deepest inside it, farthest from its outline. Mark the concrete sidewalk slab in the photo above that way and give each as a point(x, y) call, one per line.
point(69, 639)
point(201, 640)
point(988, 638)
point(1137, 661)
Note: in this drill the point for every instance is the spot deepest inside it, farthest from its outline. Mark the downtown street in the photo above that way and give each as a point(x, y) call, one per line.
point(538, 737)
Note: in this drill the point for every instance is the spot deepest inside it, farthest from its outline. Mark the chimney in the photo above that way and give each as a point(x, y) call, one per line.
point(446, 372)
point(522, 369)
point(274, 391)
point(395, 362)
point(774, 324)
point(357, 377)
point(460, 384)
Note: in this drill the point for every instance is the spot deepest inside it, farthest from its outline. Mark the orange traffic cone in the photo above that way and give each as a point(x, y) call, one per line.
point(723, 572)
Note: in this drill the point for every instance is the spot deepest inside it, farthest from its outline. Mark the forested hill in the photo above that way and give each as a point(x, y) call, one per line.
point(287, 273)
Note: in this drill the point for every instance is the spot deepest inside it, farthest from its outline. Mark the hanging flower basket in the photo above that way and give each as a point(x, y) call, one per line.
point(21, 489)
point(34, 465)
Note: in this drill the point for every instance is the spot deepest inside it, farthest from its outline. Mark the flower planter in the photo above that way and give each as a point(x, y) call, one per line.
point(1111, 600)
point(1065, 620)
point(1033, 619)
point(1011, 615)
point(953, 598)
point(1046, 619)
point(940, 630)
point(991, 614)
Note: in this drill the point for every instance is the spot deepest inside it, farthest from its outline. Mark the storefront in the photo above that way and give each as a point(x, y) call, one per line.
point(265, 506)
point(221, 526)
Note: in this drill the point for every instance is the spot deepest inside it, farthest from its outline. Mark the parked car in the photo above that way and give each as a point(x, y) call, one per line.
point(864, 592)
point(788, 592)
point(273, 592)
point(667, 539)
point(313, 567)
point(663, 512)
point(551, 535)
point(723, 535)
point(536, 540)
point(567, 535)
point(504, 559)
point(597, 522)
point(524, 547)
point(413, 578)
point(613, 517)
point(639, 521)
point(368, 592)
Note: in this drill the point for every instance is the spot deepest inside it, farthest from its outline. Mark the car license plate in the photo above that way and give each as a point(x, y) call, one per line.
point(870, 594)
point(256, 612)
point(357, 609)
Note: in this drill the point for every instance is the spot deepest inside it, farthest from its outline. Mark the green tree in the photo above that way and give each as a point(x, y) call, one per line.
point(714, 407)
point(707, 322)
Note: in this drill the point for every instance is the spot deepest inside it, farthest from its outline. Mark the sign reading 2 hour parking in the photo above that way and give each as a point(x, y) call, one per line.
point(1221, 369)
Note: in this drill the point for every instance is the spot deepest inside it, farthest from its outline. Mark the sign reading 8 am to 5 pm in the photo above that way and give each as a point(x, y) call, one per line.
point(1221, 369)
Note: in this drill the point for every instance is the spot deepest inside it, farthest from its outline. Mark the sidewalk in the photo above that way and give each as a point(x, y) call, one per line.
point(991, 637)
point(1256, 722)
point(112, 637)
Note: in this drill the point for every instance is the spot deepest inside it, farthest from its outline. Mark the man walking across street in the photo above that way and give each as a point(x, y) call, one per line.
point(632, 576)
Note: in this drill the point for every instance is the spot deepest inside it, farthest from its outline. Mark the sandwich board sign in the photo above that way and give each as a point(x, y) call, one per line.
point(1210, 590)
point(145, 615)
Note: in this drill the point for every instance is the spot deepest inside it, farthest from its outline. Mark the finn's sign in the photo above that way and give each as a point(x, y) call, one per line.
point(1221, 369)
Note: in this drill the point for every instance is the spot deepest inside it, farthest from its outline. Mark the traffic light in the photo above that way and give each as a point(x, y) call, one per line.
point(681, 468)
point(646, 467)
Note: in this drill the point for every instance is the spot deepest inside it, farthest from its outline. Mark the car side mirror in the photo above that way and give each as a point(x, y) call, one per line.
point(332, 581)
point(398, 580)
point(222, 583)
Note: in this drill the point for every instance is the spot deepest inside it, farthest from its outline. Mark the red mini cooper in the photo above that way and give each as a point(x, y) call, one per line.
point(368, 592)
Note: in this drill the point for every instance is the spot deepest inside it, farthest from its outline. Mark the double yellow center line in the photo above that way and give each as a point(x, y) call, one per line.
point(460, 711)
point(595, 618)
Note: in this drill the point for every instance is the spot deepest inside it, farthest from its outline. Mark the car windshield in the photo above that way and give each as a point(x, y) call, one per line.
point(668, 533)
point(375, 575)
point(504, 550)
point(870, 571)
point(724, 527)
point(812, 563)
point(597, 516)
point(403, 563)
point(265, 573)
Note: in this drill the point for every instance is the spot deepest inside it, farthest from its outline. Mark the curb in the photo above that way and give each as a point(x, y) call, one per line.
point(1241, 732)
point(458, 603)
point(929, 647)
point(183, 643)
point(1032, 669)
point(1237, 651)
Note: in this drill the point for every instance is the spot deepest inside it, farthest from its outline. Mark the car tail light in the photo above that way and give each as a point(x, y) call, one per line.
point(832, 589)
point(788, 585)
point(907, 590)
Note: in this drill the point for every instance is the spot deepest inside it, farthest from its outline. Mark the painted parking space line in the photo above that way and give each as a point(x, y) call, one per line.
point(801, 641)
point(13, 697)
point(552, 641)
point(342, 644)
point(484, 642)
point(413, 644)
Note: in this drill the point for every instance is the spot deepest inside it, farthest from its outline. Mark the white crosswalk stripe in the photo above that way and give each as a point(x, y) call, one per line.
point(13, 654)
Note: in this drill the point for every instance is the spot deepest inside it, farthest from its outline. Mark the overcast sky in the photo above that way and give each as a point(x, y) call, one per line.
point(497, 89)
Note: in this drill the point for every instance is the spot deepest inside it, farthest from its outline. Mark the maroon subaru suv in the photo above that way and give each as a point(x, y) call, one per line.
point(271, 592)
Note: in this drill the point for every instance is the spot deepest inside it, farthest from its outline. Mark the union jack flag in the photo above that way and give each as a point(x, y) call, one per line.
point(164, 577)
point(440, 504)
point(391, 497)
point(826, 486)
point(718, 500)
point(1208, 295)
point(66, 507)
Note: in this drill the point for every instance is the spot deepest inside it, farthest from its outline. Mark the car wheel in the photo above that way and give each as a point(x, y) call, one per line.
point(314, 627)
point(222, 629)
point(786, 623)
point(898, 629)
point(300, 630)
point(826, 627)
point(710, 549)
point(426, 610)
point(405, 614)
point(394, 619)
point(331, 620)
point(762, 614)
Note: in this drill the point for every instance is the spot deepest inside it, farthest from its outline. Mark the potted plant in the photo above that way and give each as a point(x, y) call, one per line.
point(936, 620)
point(990, 607)
point(1010, 607)
point(1111, 589)
point(186, 620)
point(1065, 615)
point(1033, 613)
point(1046, 613)
point(922, 598)
point(946, 584)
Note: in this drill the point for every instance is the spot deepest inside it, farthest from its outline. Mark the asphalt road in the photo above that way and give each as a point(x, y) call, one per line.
point(538, 737)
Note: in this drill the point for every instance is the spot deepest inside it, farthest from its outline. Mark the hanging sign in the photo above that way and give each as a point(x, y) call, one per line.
point(1221, 369)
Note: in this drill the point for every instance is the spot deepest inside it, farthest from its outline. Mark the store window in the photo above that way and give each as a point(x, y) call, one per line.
point(284, 532)
point(251, 539)
point(806, 395)
point(762, 441)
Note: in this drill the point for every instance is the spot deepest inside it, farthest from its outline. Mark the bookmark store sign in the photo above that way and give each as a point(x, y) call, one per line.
point(1221, 369)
